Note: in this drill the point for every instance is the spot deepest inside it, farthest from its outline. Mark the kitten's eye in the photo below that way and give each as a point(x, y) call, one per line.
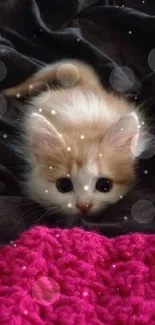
point(103, 185)
point(64, 185)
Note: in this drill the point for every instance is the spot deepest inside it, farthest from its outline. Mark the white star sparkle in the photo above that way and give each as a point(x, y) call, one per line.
point(53, 112)
point(25, 312)
point(69, 205)
point(24, 267)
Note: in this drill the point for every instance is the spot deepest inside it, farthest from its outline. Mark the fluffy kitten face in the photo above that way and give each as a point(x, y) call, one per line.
point(85, 167)
point(79, 187)
point(81, 140)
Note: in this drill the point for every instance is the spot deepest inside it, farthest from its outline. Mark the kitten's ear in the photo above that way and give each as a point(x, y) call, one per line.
point(66, 73)
point(124, 135)
point(42, 136)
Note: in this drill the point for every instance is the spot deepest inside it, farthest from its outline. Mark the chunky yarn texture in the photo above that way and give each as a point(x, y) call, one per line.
point(73, 277)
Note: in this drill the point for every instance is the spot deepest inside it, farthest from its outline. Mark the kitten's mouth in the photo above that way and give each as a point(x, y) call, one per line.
point(94, 216)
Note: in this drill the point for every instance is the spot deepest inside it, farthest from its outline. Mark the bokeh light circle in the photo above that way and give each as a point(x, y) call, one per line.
point(3, 105)
point(149, 140)
point(3, 71)
point(151, 59)
point(143, 211)
point(38, 88)
point(46, 291)
point(67, 75)
point(122, 79)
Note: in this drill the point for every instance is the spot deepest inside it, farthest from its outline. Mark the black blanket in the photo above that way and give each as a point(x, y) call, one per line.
point(106, 34)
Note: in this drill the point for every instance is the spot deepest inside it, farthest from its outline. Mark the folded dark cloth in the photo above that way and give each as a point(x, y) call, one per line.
point(103, 33)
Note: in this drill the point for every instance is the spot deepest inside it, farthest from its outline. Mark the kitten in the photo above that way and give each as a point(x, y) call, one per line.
point(81, 142)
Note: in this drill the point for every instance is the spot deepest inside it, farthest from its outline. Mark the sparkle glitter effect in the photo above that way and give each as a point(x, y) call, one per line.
point(46, 191)
point(40, 110)
point(86, 188)
point(50, 167)
point(53, 112)
point(18, 95)
point(130, 32)
point(145, 172)
point(100, 155)
point(5, 136)
point(82, 136)
point(25, 312)
point(68, 148)
point(69, 205)
point(24, 267)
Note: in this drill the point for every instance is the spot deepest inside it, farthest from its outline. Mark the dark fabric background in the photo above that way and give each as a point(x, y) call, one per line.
point(36, 32)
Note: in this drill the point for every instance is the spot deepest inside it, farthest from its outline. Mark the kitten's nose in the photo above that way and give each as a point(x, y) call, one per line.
point(84, 208)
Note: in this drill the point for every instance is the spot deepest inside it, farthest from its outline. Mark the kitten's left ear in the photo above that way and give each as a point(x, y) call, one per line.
point(42, 136)
point(124, 135)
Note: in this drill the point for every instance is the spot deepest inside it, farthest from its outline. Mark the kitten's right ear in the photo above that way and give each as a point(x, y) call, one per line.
point(43, 137)
point(66, 73)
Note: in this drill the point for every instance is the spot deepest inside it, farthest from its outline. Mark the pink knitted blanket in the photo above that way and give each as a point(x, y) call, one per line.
point(73, 277)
